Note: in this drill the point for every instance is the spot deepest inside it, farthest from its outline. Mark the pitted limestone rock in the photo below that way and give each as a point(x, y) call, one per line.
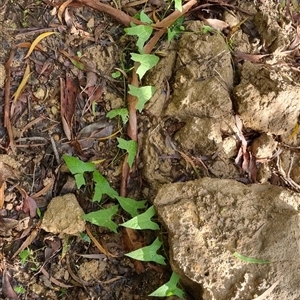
point(268, 99)
point(209, 219)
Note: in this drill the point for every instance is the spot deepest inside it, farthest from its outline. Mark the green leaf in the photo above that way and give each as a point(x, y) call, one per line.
point(175, 28)
point(24, 255)
point(148, 253)
point(130, 205)
point(102, 187)
point(80, 180)
point(79, 65)
point(251, 260)
point(142, 221)
point(76, 166)
point(147, 61)
point(19, 289)
point(178, 5)
point(206, 29)
point(170, 288)
point(85, 237)
point(144, 18)
point(116, 74)
point(143, 32)
point(103, 217)
point(130, 147)
point(122, 112)
point(143, 94)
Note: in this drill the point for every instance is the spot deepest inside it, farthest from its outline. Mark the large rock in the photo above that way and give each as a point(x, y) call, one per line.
point(203, 77)
point(210, 219)
point(268, 99)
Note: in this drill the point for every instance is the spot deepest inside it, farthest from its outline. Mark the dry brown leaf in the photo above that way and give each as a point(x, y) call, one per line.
point(69, 91)
point(22, 84)
point(2, 189)
point(96, 130)
point(250, 57)
point(296, 42)
point(53, 280)
point(216, 24)
point(190, 161)
point(69, 18)
point(8, 291)
point(28, 44)
point(37, 40)
point(29, 240)
point(62, 9)
point(7, 121)
point(29, 204)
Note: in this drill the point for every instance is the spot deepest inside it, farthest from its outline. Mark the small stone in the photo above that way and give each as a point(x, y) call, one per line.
point(264, 146)
point(229, 146)
point(39, 94)
point(63, 215)
point(9, 206)
point(54, 110)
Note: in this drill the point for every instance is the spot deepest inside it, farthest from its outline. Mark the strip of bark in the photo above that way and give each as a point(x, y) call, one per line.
point(113, 12)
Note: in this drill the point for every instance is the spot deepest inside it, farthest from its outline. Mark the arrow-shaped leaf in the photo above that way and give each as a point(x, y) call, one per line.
point(130, 147)
point(148, 253)
point(144, 18)
point(130, 205)
point(147, 61)
point(142, 221)
point(143, 94)
point(76, 166)
point(103, 217)
point(102, 187)
point(169, 288)
point(143, 32)
point(122, 112)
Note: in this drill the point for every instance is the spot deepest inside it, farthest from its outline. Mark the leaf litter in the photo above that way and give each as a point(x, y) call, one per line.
point(76, 113)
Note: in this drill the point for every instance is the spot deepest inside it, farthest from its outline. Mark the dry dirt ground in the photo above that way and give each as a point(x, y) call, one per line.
point(254, 34)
